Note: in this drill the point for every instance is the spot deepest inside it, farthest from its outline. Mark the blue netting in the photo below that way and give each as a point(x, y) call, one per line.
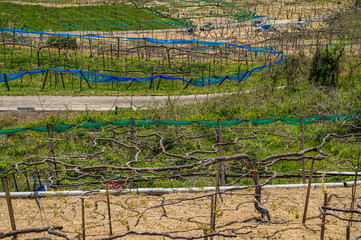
point(10, 77)
point(91, 77)
point(100, 78)
point(208, 80)
point(153, 40)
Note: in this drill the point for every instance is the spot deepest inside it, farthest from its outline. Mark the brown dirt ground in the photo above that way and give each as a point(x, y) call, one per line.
point(186, 218)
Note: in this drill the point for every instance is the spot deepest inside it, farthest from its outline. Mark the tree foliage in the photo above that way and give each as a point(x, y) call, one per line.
point(62, 42)
point(325, 66)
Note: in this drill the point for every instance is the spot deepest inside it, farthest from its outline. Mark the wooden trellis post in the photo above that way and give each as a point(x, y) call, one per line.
point(323, 225)
point(51, 148)
point(221, 167)
point(10, 206)
point(109, 214)
point(83, 218)
point(131, 182)
point(219, 172)
point(308, 193)
point(302, 148)
point(6, 82)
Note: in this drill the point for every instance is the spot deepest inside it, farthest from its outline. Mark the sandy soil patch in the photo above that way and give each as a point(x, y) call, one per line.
point(185, 214)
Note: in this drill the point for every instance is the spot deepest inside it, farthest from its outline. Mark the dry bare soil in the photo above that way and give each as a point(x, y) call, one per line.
point(185, 214)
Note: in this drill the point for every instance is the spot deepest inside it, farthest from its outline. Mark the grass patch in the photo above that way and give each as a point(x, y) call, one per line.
point(100, 18)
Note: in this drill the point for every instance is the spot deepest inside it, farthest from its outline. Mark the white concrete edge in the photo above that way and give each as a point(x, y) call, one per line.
point(167, 190)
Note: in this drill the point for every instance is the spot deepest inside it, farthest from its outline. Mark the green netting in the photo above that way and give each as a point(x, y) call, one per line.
point(339, 117)
point(231, 123)
point(141, 123)
point(93, 124)
point(291, 121)
point(176, 123)
point(62, 128)
point(40, 129)
point(307, 121)
point(12, 131)
point(208, 123)
point(262, 121)
point(121, 123)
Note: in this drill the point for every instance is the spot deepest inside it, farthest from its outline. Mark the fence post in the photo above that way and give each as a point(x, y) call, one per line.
point(323, 225)
point(131, 182)
point(302, 134)
point(10, 206)
point(308, 193)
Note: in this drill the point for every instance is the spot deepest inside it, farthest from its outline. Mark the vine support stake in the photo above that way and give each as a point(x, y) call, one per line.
point(308, 193)
point(83, 218)
point(220, 154)
point(302, 148)
point(323, 225)
point(46, 76)
point(131, 182)
point(51, 148)
point(15, 183)
point(10, 206)
point(6, 82)
point(219, 172)
point(109, 215)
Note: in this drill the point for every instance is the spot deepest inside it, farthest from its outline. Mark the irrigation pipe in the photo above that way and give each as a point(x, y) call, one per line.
point(168, 190)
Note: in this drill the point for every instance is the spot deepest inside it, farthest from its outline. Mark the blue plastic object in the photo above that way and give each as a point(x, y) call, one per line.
point(42, 188)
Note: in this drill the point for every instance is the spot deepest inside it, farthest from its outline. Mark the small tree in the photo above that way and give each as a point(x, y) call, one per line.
point(325, 67)
point(62, 42)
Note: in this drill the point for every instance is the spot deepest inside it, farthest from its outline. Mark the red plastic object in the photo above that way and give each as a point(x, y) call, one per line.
point(115, 185)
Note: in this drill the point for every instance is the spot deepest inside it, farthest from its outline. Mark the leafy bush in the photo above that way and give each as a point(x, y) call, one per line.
point(325, 66)
point(358, 3)
point(62, 42)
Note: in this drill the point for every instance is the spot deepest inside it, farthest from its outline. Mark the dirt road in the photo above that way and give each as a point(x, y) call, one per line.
point(98, 103)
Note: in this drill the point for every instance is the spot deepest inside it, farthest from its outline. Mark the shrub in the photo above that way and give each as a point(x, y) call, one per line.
point(62, 42)
point(358, 3)
point(325, 66)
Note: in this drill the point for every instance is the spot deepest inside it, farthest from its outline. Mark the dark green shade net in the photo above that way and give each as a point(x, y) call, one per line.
point(213, 124)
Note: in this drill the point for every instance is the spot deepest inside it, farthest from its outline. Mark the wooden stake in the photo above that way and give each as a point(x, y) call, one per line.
point(219, 172)
point(46, 76)
point(15, 183)
point(131, 183)
point(308, 193)
point(302, 148)
point(10, 206)
point(83, 218)
point(6, 82)
point(323, 225)
point(109, 215)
